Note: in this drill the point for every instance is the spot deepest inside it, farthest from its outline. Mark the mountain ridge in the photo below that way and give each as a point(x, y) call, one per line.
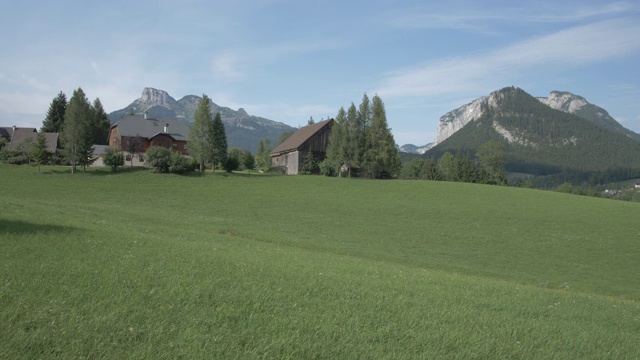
point(565, 101)
point(243, 130)
point(541, 140)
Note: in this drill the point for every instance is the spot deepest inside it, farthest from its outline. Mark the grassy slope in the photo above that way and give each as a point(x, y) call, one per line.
point(145, 265)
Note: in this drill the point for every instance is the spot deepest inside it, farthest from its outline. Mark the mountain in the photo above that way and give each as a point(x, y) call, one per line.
point(577, 105)
point(413, 149)
point(243, 130)
point(540, 139)
point(560, 100)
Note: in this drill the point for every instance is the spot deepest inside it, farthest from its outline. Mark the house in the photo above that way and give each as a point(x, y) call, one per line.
point(16, 136)
point(312, 139)
point(138, 133)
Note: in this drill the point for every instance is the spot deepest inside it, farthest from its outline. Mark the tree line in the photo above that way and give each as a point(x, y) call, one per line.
point(361, 143)
point(487, 168)
point(80, 125)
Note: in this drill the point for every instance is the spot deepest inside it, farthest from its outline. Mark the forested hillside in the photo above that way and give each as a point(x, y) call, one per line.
point(542, 141)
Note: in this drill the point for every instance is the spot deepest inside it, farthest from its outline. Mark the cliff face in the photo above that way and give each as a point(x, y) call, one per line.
point(564, 101)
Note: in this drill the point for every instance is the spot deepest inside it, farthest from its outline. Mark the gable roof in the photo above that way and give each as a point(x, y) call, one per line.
point(296, 140)
point(137, 125)
point(21, 134)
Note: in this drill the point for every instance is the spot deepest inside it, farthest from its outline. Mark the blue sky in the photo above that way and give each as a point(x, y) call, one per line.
point(290, 60)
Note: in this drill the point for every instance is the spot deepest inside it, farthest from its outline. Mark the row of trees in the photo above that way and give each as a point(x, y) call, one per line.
point(488, 167)
point(362, 142)
point(207, 139)
point(83, 126)
point(94, 115)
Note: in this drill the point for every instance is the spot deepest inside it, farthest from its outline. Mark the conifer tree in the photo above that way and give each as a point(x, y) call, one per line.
point(39, 152)
point(100, 124)
point(200, 137)
point(76, 134)
point(381, 156)
point(55, 115)
point(218, 140)
point(337, 149)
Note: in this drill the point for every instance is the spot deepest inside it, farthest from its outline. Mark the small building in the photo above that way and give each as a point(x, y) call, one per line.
point(16, 136)
point(140, 132)
point(309, 140)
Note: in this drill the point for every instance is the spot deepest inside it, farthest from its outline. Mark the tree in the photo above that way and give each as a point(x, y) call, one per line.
point(311, 121)
point(201, 137)
point(25, 148)
point(263, 156)
point(446, 166)
point(77, 135)
point(55, 115)
point(337, 148)
point(248, 161)
point(133, 145)
point(309, 165)
point(39, 152)
point(100, 124)
point(113, 159)
point(491, 157)
point(381, 153)
point(218, 140)
point(232, 162)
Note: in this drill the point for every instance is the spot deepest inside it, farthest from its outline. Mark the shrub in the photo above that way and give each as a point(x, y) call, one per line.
point(232, 163)
point(113, 158)
point(158, 158)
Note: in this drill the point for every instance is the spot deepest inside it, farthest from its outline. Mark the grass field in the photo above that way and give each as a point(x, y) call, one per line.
point(142, 265)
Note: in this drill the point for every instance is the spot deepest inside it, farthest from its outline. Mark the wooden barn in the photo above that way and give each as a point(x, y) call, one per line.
point(310, 140)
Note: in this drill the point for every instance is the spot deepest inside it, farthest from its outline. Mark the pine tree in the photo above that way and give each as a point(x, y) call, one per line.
point(55, 115)
point(337, 149)
point(77, 136)
point(381, 155)
point(39, 152)
point(218, 139)
point(352, 138)
point(200, 137)
point(100, 124)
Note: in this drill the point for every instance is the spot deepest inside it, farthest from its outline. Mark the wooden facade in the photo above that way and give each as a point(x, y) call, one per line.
point(310, 140)
point(150, 132)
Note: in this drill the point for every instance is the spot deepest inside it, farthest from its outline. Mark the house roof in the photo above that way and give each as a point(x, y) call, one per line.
point(100, 149)
point(21, 134)
point(137, 125)
point(296, 140)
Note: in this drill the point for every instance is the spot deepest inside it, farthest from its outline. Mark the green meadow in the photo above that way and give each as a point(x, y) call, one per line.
point(247, 266)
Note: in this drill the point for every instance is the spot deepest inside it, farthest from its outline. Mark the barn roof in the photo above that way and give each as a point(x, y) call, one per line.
point(21, 134)
point(137, 125)
point(296, 140)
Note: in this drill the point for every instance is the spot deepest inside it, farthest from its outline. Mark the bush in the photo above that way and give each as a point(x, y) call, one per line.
point(113, 158)
point(232, 163)
point(163, 160)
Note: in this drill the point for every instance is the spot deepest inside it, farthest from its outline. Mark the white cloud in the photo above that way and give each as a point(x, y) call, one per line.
point(564, 49)
point(478, 18)
point(239, 63)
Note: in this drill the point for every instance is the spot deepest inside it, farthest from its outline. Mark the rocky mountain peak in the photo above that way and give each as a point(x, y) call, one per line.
point(564, 101)
point(153, 96)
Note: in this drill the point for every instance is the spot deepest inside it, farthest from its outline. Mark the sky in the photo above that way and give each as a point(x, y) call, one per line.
point(289, 60)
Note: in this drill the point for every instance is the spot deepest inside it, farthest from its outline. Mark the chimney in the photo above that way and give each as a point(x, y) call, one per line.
point(166, 126)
